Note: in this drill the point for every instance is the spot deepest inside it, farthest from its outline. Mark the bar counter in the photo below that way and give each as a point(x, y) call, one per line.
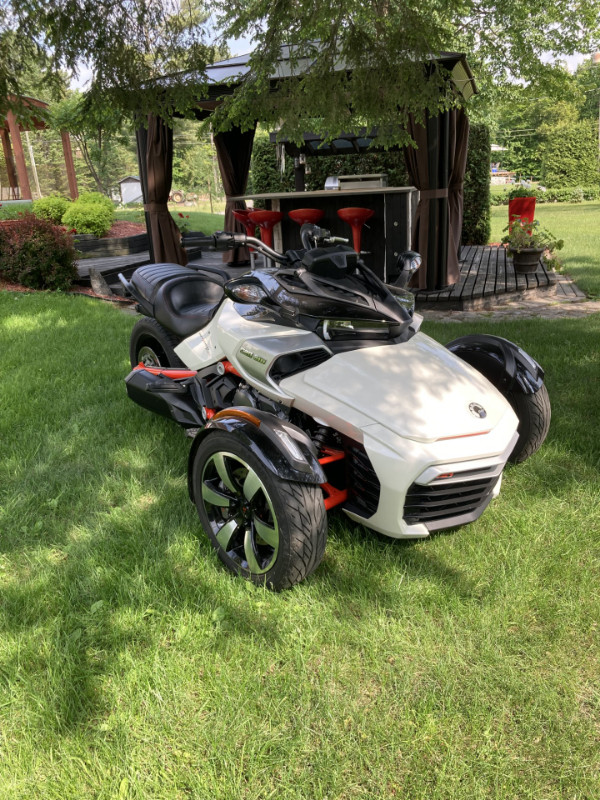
point(384, 236)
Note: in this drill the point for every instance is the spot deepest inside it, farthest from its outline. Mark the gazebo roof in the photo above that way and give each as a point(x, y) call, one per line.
point(238, 67)
point(222, 77)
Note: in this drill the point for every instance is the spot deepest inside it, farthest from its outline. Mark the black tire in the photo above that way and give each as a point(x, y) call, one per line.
point(153, 345)
point(271, 531)
point(533, 411)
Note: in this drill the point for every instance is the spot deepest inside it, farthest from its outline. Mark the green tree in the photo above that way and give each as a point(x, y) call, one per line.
point(105, 141)
point(126, 43)
point(587, 78)
point(380, 45)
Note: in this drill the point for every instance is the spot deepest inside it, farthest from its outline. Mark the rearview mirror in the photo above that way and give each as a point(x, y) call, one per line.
point(407, 264)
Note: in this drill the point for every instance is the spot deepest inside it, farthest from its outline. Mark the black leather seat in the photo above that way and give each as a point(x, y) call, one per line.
point(187, 303)
point(148, 279)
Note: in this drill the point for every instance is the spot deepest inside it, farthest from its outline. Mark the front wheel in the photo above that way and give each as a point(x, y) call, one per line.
point(533, 411)
point(152, 345)
point(271, 531)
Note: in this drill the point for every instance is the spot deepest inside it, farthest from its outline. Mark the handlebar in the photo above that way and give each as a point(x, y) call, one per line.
point(312, 236)
point(223, 240)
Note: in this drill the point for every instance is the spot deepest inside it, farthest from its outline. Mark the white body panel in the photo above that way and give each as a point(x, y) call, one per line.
point(408, 404)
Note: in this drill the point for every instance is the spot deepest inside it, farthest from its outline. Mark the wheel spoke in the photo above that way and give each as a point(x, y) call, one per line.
point(215, 498)
point(226, 532)
point(266, 532)
point(253, 564)
point(251, 485)
point(221, 465)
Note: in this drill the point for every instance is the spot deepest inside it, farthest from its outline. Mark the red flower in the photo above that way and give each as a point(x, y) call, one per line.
point(179, 214)
point(187, 216)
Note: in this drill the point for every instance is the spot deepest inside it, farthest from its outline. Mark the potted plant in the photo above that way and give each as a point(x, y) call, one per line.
point(528, 242)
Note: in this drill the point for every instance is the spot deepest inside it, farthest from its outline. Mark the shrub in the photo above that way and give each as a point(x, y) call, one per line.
point(93, 218)
point(51, 208)
point(98, 199)
point(570, 156)
point(571, 194)
point(37, 254)
point(476, 213)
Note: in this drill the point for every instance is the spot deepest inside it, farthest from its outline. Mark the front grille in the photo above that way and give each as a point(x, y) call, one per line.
point(442, 505)
point(291, 363)
point(363, 483)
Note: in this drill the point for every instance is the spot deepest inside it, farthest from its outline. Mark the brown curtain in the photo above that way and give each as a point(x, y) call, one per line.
point(166, 238)
point(437, 168)
point(234, 150)
point(418, 171)
point(459, 145)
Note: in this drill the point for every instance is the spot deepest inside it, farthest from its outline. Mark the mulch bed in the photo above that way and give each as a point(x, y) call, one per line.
point(121, 228)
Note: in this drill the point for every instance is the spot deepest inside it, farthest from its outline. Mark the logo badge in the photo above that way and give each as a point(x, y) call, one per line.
point(477, 410)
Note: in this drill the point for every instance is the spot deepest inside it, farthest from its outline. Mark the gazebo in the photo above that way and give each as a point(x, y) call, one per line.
point(12, 147)
point(436, 168)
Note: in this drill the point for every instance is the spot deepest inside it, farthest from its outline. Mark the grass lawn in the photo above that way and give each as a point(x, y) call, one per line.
point(132, 665)
point(579, 225)
point(198, 220)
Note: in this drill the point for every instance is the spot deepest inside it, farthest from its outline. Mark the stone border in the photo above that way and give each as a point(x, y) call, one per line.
point(122, 246)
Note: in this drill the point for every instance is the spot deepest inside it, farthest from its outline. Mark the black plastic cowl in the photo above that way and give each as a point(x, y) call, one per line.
point(170, 399)
point(502, 362)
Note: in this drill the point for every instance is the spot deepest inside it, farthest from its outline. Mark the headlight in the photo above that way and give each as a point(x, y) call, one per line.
point(355, 328)
point(245, 292)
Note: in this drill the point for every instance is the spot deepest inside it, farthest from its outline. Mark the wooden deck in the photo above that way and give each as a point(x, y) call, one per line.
point(487, 275)
point(487, 278)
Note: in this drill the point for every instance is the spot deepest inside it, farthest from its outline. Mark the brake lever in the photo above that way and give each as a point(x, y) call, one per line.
point(336, 240)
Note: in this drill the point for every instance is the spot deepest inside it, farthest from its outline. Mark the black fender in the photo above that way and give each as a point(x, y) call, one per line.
point(503, 363)
point(283, 448)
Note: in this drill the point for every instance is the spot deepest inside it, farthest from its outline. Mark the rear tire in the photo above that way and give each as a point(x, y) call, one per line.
point(269, 530)
point(533, 411)
point(152, 345)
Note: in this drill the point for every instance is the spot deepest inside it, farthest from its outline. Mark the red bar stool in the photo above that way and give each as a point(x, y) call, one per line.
point(241, 214)
point(303, 215)
point(356, 218)
point(266, 221)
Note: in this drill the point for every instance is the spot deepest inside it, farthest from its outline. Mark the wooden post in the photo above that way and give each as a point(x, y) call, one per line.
point(10, 164)
point(68, 154)
point(33, 166)
point(299, 170)
point(15, 135)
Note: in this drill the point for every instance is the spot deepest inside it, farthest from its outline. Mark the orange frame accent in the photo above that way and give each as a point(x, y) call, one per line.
point(334, 497)
point(230, 368)
point(168, 372)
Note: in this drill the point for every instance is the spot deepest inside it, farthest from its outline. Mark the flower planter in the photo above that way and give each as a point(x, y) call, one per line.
point(528, 260)
point(522, 209)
